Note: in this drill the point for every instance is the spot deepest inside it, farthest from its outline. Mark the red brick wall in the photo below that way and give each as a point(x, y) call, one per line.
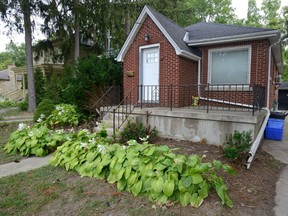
point(178, 70)
point(258, 70)
point(170, 65)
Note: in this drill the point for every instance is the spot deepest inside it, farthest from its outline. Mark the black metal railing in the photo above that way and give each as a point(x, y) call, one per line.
point(122, 111)
point(236, 97)
point(112, 97)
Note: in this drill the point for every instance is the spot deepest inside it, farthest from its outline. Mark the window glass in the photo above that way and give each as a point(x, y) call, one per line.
point(230, 66)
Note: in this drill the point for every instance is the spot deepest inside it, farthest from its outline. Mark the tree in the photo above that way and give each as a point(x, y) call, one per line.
point(16, 14)
point(253, 15)
point(17, 53)
point(271, 14)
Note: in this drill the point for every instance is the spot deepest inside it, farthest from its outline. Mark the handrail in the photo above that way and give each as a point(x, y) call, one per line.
point(124, 109)
point(106, 101)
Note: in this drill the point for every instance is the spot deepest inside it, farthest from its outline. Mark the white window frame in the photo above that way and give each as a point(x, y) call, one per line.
point(210, 52)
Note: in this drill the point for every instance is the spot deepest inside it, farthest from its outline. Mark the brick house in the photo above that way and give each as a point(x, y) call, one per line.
point(160, 53)
point(202, 81)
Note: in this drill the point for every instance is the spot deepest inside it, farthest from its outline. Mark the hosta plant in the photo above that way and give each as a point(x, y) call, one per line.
point(145, 169)
point(64, 115)
point(38, 140)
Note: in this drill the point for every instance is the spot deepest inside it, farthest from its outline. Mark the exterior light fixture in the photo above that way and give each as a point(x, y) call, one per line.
point(146, 37)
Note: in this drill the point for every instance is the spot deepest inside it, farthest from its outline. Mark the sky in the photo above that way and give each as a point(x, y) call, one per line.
point(239, 5)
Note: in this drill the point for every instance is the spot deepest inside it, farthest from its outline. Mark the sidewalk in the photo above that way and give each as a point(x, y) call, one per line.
point(23, 166)
point(279, 150)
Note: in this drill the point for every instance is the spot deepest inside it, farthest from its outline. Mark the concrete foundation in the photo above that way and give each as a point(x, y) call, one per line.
point(187, 124)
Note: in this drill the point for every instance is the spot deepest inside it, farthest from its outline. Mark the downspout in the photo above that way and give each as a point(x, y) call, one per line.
point(258, 139)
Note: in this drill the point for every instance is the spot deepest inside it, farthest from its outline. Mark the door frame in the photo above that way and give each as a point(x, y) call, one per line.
point(141, 48)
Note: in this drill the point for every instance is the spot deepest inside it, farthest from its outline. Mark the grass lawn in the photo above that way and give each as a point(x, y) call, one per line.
point(53, 191)
point(5, 130)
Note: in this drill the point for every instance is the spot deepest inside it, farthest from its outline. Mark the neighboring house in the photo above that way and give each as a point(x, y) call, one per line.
point(11, 84)
point(202, 81)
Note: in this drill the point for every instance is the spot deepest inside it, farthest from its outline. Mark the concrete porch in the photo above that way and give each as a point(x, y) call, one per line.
point(186, 123)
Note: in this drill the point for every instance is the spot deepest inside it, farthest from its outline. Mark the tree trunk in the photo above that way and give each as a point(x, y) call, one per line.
point(77, 31)
point(25, 6)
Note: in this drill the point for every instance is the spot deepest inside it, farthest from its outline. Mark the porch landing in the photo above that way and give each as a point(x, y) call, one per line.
point(186, 124)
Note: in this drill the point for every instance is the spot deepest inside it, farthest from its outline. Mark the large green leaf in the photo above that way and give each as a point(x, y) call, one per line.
point(157, 185)
point(196, 178)
point(127, 172)
point(112, 178)
point(186, 181)
point(132, 178)
point(168, 187)
point(136, 188)
point(91, 156)
point(196, 200)
point(120, 173)
point(185, 198)
point(121, 184)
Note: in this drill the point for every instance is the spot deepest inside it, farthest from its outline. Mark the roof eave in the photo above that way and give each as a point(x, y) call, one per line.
point(234, 38)
point(138, 25)
point(188, 55)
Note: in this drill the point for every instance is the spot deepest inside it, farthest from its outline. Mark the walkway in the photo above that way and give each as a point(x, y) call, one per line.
point(279, 150)
point(24, 165)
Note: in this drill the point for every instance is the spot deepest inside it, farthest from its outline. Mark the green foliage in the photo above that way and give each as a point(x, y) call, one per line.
point(38, 140)
point(13, 54)
point(43, 110)
point(237, 144)
point(90, 74)
point(39, 85)
point(144, 169)
point(53, 88)
point(137, 131)
point(4, 103)
point(23, 105)
point(64, 115)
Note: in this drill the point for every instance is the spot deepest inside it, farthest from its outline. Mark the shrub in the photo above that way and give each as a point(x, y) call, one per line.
point(23, 105)
point(64, 115)
point(4, 103)
point(137, 131)
point(43, 110)
point(38, 140)
point(237, 144)
point(39, 85)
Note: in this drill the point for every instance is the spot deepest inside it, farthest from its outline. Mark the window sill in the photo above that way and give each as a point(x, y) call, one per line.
point(229, 88)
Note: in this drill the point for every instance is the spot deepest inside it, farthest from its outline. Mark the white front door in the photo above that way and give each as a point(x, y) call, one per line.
point(150, 74)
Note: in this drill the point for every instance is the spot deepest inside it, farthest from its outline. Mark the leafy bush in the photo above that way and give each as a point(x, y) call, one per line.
point(89, 74)
point(43, 110)
point(64, 115)
point(237, 144)
point(23, 105)
point(144, 169)
point(39, 85)
point(53, 88)
point(38, 140)
point(4, 103)
point(137, 131)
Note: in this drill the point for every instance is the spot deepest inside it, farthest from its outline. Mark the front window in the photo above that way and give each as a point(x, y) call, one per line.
point(229, 66)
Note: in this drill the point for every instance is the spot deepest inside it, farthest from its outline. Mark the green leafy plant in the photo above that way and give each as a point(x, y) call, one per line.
point(43, 110)
point(38, 140)
point(23, 105)
point(4, 103)
point(64, 115)
point(144, 169)
point(139, 132)
point(237, 144)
